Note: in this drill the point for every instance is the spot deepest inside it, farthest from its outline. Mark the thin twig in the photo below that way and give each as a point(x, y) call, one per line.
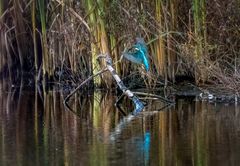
point(84, 82)
point(155, 96)
point(75, 14)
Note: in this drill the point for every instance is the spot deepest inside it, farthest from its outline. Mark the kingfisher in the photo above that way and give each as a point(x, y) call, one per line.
point(138, 53)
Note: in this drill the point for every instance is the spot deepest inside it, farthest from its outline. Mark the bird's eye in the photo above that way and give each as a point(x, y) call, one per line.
point(133, 50)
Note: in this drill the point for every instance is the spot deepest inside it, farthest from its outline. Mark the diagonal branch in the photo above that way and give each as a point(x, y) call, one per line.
point(84, 82)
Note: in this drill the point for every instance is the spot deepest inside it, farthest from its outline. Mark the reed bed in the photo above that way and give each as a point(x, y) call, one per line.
point(64, 38)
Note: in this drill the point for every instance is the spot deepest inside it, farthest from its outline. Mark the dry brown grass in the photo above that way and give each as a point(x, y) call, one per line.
point(74, 35)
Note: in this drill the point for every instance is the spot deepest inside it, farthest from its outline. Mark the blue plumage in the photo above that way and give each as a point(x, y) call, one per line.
point(138, 53)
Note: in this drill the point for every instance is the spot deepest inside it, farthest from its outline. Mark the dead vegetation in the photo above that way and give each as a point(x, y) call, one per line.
point(195, 38)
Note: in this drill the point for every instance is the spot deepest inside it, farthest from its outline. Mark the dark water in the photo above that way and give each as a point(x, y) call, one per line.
point(36, 129)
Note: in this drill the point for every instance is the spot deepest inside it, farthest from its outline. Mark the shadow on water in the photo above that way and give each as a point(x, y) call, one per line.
point(36, 129)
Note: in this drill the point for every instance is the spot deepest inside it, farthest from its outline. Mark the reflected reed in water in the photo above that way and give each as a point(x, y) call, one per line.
point(36, 129)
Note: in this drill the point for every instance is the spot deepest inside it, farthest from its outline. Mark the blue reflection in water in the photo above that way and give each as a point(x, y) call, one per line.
point(146, 146)
point(142, 148)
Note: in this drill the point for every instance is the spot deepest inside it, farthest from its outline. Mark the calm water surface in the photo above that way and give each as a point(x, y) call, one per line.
point(36, 129)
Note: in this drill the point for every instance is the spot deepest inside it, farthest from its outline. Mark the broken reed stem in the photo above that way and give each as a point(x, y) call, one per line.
point(138, 104)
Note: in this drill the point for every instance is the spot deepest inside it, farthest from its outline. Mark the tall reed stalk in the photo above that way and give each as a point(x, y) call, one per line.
point(100, 43)
point(45, 59)
point(2, 48)
point(1, 8)
point(20, 32)
point(200, 34)
point(159, 46)
point(90, 7)
point(33, 14)
point(103, 37)
point(172, 61)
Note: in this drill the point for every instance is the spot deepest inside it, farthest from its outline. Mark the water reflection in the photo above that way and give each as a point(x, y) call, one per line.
point(36, 129)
